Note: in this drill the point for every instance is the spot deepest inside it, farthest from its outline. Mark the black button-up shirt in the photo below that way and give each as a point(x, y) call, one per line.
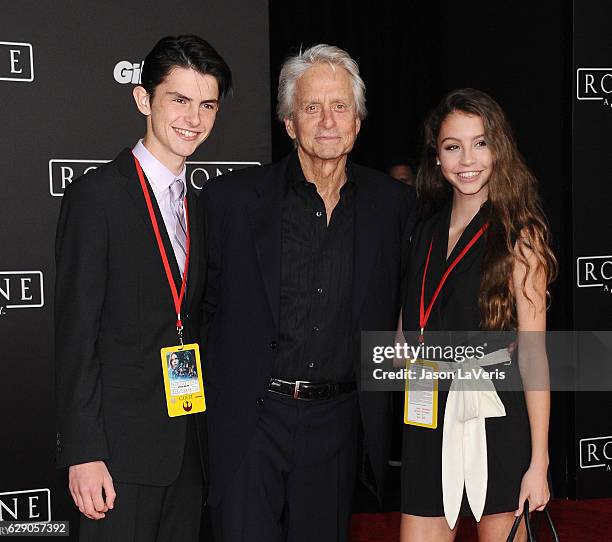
point(315, 340)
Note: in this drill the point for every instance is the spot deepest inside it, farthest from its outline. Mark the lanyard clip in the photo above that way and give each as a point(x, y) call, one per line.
point(422, 336)
point(179, 330)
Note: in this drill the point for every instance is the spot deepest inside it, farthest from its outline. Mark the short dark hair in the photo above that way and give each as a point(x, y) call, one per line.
point(402, 160)
point(186, 51)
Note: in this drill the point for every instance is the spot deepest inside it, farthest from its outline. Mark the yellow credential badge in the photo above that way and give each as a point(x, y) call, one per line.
point(183, 380)
point(421, 394)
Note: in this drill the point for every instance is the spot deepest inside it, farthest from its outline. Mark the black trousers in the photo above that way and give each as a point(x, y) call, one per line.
point(155, 514)
point(297, 478)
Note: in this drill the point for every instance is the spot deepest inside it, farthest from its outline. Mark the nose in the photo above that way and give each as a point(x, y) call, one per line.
point(467, 156)
point(193, 114)
point(327, 118)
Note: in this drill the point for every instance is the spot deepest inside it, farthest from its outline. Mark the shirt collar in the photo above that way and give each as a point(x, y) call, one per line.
point(157, 174)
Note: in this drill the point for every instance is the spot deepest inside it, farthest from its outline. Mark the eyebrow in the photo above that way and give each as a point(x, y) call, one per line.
point(457, 139)
point(187, 99)
point(320, 99)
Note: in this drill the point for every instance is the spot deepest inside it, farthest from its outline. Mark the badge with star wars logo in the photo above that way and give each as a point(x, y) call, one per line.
point(183, 380)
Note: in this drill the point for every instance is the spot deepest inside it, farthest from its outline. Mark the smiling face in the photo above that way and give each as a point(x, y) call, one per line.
point(465, 159)
point(324, 121)
point(180, 115)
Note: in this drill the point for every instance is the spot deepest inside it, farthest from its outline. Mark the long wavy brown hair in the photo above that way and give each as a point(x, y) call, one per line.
point(515, 211)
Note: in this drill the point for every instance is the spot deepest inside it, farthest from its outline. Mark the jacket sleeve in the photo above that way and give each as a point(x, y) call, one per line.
point(81, 270)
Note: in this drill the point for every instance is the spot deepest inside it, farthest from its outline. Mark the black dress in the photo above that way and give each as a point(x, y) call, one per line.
point(456, 312)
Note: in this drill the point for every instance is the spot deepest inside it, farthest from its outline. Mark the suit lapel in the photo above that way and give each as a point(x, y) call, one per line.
point(127, 168)
point(367, 235)
point(265, 215)
point(438, 261)
point(466, 236)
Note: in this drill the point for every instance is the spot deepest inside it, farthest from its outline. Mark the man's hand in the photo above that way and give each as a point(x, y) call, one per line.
point(86, 482)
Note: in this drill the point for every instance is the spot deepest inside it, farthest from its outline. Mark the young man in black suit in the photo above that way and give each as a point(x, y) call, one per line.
point(303, 255)
point(136, 473)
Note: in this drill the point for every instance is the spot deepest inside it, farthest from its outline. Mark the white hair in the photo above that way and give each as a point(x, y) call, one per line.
point(295, 66)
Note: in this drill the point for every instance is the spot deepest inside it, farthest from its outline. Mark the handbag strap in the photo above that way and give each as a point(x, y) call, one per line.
point(517, 523)
point(515, 526)
point(553, 531)
point(530, 537)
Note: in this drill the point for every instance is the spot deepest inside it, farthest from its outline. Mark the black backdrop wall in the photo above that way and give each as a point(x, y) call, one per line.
point(396, 46)
point(66, 71)
point(592, 233)
point(72, 109)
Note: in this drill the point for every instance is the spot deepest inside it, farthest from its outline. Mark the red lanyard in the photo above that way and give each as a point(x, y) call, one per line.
point(424, 314)
point(178, 298)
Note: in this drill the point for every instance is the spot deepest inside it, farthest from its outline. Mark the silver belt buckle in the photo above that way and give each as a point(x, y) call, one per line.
point(296, 388)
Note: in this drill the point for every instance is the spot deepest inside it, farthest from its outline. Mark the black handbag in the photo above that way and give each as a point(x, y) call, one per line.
point(531, 529)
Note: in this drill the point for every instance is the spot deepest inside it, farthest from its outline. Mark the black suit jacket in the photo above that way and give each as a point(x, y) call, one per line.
point(113, 313)
point(243, 212)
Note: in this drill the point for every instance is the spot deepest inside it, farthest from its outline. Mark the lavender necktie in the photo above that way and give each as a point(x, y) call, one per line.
point(177, 190)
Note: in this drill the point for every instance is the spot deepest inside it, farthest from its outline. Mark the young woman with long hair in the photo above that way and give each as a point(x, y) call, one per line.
point(481, 219)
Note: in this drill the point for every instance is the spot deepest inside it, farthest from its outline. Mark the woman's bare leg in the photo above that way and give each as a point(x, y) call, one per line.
point(496, 527)
point(426, 529)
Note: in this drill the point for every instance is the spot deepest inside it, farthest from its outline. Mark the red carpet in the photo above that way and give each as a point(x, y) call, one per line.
point(576, 521)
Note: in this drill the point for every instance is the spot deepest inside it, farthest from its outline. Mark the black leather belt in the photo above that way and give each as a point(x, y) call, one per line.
point(309, 390)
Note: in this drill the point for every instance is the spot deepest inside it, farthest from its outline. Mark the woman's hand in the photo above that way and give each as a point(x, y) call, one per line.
point(534, 487)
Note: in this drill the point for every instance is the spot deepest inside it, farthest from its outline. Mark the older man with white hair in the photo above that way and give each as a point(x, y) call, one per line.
point(304, 254)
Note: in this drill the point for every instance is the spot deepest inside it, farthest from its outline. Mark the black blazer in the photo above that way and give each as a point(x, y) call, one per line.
point(243, 213)
point(113, 313)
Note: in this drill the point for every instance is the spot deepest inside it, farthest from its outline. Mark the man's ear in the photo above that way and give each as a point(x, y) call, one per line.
point(142, 99)
point(289, 127)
